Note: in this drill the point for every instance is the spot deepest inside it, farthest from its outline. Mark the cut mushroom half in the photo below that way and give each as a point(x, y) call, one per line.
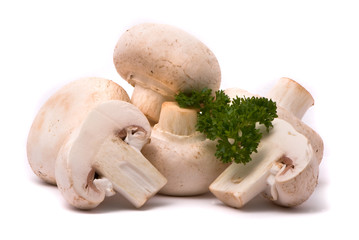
point(87, 139)
point(161, 60)
point(285, 169)
point(108, 143)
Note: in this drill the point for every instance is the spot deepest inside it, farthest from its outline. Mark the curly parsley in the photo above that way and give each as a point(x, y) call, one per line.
point(231, 123)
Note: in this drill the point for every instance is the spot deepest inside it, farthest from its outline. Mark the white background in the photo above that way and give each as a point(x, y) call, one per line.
point(44, 45)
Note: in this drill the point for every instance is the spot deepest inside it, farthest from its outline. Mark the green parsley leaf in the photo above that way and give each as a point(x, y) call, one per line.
point(232, 123)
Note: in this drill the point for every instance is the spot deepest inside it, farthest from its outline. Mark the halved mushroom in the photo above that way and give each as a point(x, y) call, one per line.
point(161, 60)
point(286, 167)
point(182, 154)
point(95, 145)
point(108, 143)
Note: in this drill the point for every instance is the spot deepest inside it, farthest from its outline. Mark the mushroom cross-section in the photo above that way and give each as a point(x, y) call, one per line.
point(285, 168)
point(161, 60)
point(108, 143)
point(87, 140)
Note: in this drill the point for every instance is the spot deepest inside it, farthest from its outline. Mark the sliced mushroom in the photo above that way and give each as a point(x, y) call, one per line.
point(183, 155)
point(60, 115)
point(161, 60)
point(108, 143)
point(286, 167)
point(91, 144)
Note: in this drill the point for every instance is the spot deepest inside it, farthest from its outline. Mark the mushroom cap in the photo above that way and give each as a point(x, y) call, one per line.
point(75, 165)
point(60, 115)
point(187, 162)
point(298, 169)
point(296, 187)
point(165, 59)
point(234, 92)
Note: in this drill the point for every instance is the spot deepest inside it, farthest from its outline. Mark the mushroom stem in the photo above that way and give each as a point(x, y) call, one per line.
point(148, 101)
point(177, 120)
point(238, 184)
point(292, 96)
point(130, 173)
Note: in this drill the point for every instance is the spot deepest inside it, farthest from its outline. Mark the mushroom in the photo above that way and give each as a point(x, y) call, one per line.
point(58, 117)
point(96, 145)
point(160, 61)
point(285, 169)
point(182, 154)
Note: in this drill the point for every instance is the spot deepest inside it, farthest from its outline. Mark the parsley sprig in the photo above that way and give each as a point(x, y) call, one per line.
point(233, 123)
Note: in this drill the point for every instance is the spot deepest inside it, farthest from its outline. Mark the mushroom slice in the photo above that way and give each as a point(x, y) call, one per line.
point(182, 154)
point(60, 115)
point(286, 167)
point(284, 164)
point(108, 143)
point(161, 60)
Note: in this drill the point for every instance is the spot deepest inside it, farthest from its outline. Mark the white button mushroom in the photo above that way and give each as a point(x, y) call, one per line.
point(105, 139)
point(161, 60)
point(183, 155)
point(285, 168)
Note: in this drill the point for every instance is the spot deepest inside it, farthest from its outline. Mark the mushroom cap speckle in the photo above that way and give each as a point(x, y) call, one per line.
point(60, 115)
point(165, 59)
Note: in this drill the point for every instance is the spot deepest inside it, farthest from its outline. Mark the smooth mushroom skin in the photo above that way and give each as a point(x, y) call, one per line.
point(99, 146)
point(182, 154)
point(161, 60)
point(60, 115)
point(282, 182)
